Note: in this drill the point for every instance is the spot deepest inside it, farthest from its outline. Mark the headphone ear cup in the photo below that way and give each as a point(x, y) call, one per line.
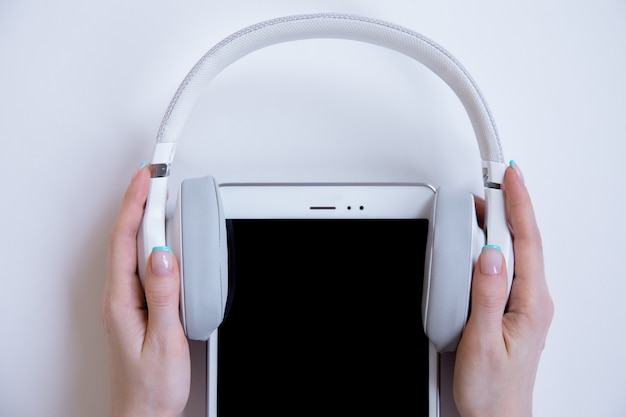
point(454, 243)
point(197, 235)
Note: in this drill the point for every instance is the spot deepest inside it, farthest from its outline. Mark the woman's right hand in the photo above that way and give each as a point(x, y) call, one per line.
point(499, 351)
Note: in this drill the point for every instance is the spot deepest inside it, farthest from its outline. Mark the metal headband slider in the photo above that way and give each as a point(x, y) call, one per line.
point(159, 170)
point(487, 183)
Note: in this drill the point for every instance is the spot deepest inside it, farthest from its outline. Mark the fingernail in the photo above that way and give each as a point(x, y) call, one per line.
point(162, 260)
point(142, 166)
point(491, 260)
point(514, 165)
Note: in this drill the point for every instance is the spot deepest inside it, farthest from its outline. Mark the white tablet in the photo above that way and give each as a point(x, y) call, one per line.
point(324, 307)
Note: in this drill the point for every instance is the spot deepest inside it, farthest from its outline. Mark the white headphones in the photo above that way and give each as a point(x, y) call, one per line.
point(454, 240)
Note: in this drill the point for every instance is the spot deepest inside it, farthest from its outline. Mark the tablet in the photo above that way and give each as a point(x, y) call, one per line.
point(324, 306)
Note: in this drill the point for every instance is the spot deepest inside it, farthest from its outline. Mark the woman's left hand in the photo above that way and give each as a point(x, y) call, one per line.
point(149, 353)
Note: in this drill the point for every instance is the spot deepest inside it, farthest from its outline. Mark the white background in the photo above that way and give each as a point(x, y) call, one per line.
point(83, 87)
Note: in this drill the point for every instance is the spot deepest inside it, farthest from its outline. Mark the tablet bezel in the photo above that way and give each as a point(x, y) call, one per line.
point(323, 201)
point(326, 201)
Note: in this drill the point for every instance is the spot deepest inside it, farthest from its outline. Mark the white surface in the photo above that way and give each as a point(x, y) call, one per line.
point(83, 88)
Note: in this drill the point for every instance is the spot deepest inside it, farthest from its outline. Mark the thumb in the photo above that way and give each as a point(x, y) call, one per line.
point(162, 288)
point(489, 293)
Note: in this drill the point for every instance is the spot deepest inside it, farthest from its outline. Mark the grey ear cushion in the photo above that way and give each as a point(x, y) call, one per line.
point(453, 242)
point(204, 257)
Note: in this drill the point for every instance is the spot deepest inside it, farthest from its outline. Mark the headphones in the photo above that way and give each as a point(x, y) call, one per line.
point(454, 239)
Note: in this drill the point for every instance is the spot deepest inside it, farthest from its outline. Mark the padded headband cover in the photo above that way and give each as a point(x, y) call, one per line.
point(338, 26)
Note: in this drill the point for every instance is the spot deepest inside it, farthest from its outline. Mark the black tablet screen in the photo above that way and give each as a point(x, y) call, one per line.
point(324, 318)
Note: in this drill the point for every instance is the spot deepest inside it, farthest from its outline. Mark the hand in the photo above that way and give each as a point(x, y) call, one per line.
point(499, 351)
point(149, 353)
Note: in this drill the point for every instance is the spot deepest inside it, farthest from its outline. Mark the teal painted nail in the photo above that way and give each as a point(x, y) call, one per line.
point(491, 260)
point(165, 248)
point(161, 260)
point(143, 164)
point(514, 165)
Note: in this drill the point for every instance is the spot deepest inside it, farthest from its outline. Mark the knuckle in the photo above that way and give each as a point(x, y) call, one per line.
point(160, 297)
point(542, 312)
point(111, 312)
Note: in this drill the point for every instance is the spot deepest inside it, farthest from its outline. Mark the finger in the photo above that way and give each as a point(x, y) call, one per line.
point(122, 281)
point(523, 224)
point(489, 295)
point(162, 288)
point(479, 205)
point(529, 294)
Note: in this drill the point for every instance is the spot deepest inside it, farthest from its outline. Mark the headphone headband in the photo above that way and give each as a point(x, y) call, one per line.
point(338, 26)
point(206, 278)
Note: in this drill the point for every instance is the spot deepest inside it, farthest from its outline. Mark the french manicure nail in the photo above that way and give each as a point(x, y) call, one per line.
point(515, 166)
point(491, 260)
point(162, 260)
